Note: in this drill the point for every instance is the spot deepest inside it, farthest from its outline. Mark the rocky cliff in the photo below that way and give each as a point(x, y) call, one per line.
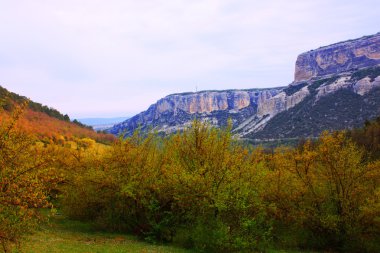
point(337, 102)
point(177, 111)
point(345, 76)
point(338, 58)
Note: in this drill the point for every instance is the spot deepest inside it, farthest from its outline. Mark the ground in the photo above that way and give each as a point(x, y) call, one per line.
point(62, 235)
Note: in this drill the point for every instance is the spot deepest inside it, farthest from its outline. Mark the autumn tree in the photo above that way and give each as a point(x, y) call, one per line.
point(22, 181)
point(322, 189)
point(215, 185)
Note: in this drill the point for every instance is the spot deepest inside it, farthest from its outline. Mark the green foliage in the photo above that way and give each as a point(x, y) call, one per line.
point(151, 186)
point(324, 189)
point(368, 138)
point(10, 100)
point(372, 73)
point(291, 89)
point(67, 236)
point(201, 189)
point(326, 81)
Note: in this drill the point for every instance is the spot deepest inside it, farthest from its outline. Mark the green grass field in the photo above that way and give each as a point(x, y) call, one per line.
point(62, 235)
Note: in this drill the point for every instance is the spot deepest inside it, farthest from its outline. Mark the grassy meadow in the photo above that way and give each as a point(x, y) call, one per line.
point(62, 235)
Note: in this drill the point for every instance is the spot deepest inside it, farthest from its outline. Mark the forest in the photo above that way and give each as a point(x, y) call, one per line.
point(199, 188)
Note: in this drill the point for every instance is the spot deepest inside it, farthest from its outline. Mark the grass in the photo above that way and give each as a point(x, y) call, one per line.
point(63, 235)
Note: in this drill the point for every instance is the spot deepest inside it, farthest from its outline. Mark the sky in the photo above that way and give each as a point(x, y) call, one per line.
point(112, 58)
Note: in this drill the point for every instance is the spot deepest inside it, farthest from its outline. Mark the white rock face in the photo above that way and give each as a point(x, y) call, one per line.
point(361, 87)
point(365, 85)
point(273, 105)
point(324, 90)
point(338, 58)
point(210, 101)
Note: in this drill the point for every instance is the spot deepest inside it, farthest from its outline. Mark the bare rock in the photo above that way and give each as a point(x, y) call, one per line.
point(338, 58)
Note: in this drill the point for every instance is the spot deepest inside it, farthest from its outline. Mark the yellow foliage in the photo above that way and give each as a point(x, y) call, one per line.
point(24, 179)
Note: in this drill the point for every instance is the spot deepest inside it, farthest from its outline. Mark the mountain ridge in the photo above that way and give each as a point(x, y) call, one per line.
point(352, 65)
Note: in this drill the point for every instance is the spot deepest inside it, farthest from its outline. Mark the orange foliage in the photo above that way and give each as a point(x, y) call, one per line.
point(45, 126)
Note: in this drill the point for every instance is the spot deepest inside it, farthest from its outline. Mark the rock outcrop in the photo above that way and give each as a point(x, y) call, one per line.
point(346, 76)
point(338, 58)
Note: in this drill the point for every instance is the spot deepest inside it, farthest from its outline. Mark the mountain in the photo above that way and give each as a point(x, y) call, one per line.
point(334, 87)
point(46, 122)
point(99, 124)
point(177, 111)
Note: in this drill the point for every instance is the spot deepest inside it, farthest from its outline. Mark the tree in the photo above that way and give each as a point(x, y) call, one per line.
point(327, 190)
point(22, 183)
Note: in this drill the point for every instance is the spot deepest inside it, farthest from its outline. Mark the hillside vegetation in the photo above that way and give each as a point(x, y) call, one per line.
point(198, 189)
point(47, 123)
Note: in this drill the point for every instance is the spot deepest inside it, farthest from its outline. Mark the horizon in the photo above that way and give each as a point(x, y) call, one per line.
point(106, 60)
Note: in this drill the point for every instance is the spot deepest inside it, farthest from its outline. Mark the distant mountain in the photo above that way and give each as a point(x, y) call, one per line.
point(44, 121)
point(335, 87)
point(102, 123)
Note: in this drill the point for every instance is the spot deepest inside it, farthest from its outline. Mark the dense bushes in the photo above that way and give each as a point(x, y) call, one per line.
point(198, 180)
point(325, 189)
point(200, 189)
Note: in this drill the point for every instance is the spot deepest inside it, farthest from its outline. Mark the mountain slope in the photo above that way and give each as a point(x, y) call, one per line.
point(44, 121)
point(335, 87)
point(339, 110)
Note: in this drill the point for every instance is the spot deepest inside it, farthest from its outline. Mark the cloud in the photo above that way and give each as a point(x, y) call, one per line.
point(127, 54)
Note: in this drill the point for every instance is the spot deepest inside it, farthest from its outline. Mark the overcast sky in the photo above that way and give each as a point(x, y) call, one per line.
point(92, 58)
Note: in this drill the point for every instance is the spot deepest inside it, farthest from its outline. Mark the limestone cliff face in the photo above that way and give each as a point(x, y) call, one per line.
point(204, 102)
point(281, 102)
point(338, 58)
point(210, 101)
point(176, 111)
point(365, 85)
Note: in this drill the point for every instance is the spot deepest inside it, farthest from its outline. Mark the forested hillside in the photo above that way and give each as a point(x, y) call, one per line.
point(46, 122)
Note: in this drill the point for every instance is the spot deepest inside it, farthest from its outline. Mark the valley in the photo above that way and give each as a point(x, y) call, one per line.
point(189, 174)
